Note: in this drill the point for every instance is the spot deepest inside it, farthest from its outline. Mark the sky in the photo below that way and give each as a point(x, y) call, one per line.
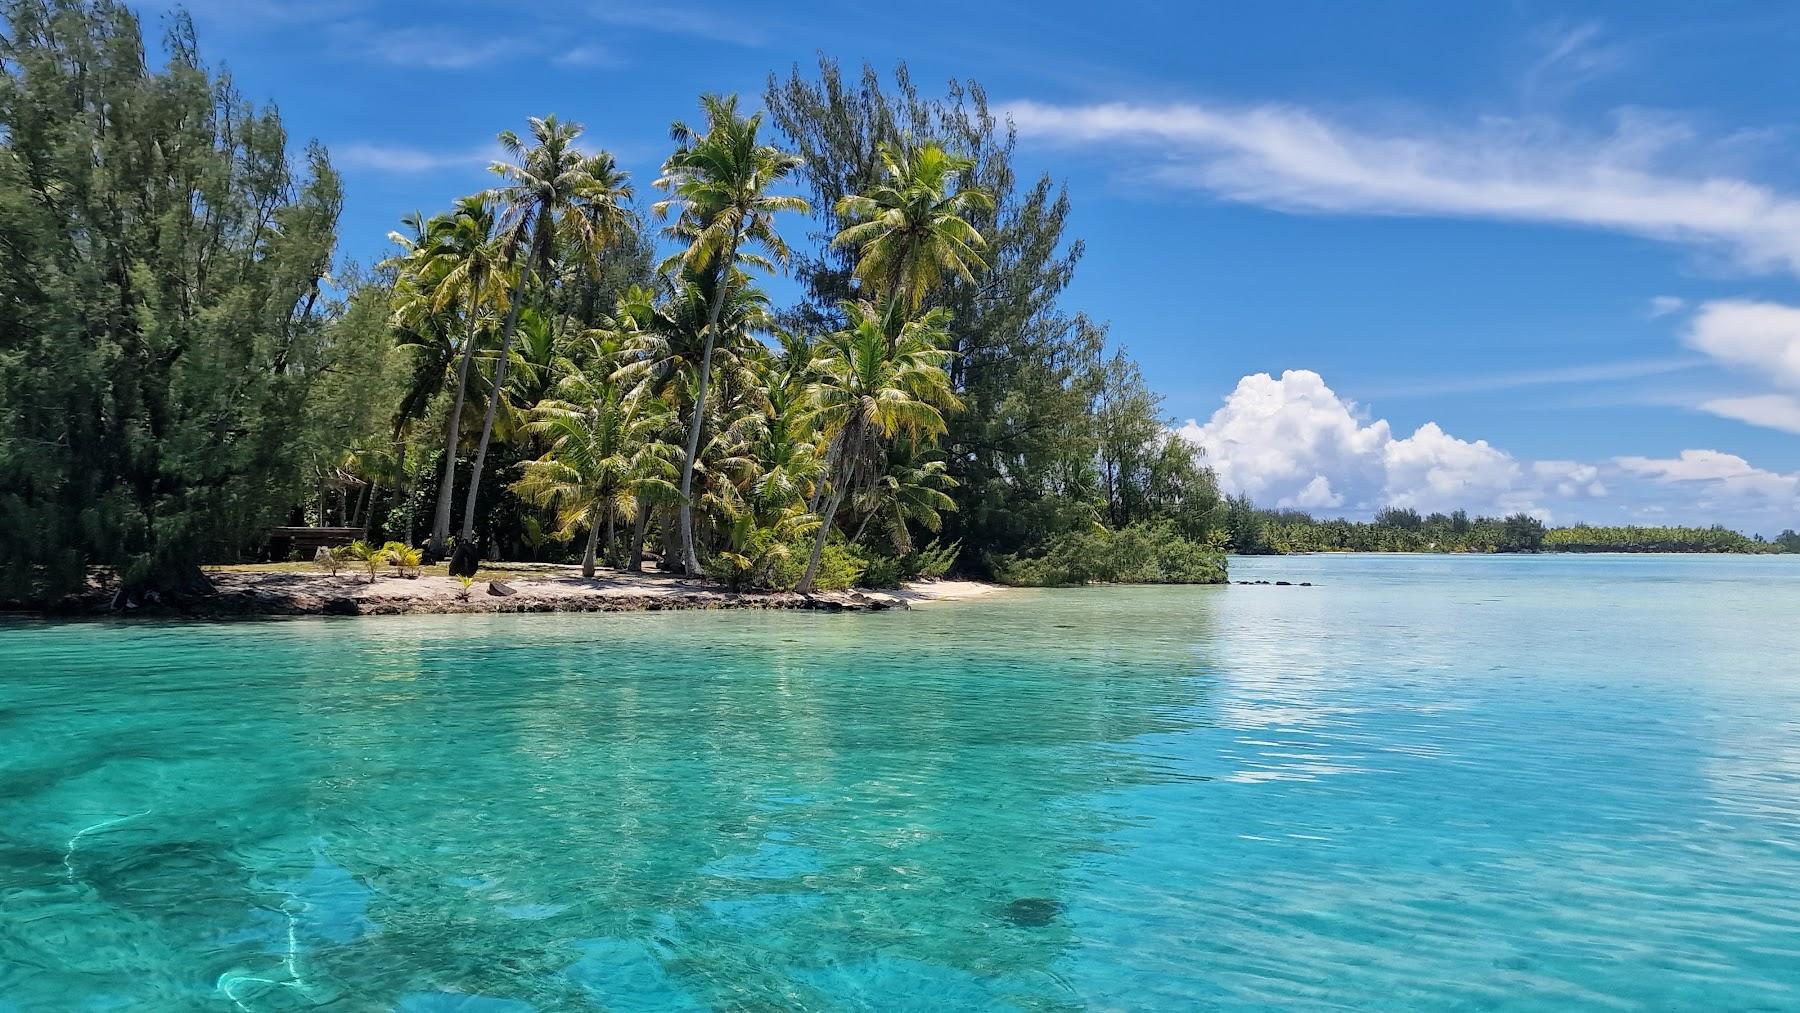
point(1506, 256)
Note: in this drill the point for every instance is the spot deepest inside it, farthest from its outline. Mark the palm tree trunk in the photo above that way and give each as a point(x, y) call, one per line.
point(638, 529)
point(587, 560)
point(440, 525)
point(812, 564)
point(690, 560)
point(864, 526)
point(611, 515)
point(487, 424)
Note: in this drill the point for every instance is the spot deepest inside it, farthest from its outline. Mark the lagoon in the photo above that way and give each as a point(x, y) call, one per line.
point(1495, 783)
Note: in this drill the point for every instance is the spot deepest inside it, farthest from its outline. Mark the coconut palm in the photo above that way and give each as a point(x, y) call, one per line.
point(603, 453)
point(463, 268)
point(881, 376)
point(912, 491)
point(910, 231)
point(718, 183)
point(558, 203)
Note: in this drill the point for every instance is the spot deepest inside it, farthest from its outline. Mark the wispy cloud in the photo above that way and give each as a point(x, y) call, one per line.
point(1663, 305)
point(590, 56)
point(1565, 57)
point(409, 160)
point(712, 25)
point(1645, 177)
point(1598, 372)
point(428, 47)
point(1771, 411)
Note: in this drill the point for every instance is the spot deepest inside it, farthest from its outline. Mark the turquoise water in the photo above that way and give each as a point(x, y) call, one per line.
point(1427, 783)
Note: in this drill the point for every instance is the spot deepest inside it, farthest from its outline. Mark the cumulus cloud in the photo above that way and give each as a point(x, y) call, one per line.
point(1293, 442)
point(1645, 177)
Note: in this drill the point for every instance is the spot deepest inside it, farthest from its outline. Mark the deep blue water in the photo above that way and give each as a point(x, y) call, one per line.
point(1433, 783)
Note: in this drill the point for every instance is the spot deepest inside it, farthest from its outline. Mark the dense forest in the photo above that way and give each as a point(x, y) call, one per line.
point(567, 365)
point(572, 365)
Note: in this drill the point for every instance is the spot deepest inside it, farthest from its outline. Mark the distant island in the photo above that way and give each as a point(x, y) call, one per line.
point(1253, 531)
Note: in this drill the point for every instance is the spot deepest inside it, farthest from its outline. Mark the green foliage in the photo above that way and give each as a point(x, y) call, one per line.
point(164, 314)
point(1149, 553)
point(1588, 538)
point(403, 557)
point(768, 561)
point(889, 571)
point(1401, 530)
point(370, 555)
point(1022, 451)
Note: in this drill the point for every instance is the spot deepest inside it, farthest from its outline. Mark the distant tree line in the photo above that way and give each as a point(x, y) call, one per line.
point(1254, 531)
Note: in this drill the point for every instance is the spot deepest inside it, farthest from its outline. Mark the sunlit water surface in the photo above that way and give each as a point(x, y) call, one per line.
point(1425, 783)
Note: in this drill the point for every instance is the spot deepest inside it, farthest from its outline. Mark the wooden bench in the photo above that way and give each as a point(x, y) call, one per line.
point(284, 542)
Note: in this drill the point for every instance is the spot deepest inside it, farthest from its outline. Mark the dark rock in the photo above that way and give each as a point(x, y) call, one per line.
point(1283, 583)
point(500, 590)
point(1032, 912)
point(465, 560)
point(1306, 583)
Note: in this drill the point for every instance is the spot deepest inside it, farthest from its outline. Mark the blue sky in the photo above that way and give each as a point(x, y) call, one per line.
point(1503, 256)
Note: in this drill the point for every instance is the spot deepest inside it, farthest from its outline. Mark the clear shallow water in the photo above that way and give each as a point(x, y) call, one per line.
point(1427, 783)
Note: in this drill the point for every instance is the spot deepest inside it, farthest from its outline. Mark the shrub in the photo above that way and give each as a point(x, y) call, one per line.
point(765, 560)
point(1139, 554)
point(884, 571)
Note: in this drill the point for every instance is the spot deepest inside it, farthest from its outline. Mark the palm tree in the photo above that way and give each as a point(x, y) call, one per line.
point(464, 264)
point(879, 377)
point(910, 232)
point(912, 491)
point(718, 184)
point(558, 202)
point(603, 454)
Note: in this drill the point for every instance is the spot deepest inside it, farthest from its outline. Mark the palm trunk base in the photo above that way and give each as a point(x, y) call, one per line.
point(465, 560)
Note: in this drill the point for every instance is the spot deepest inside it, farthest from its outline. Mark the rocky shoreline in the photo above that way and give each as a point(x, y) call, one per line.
point(239, 593)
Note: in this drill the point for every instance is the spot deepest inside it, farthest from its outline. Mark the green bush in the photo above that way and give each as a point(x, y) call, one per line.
point(1139, 554)
point(884, 571)
point(768, 562)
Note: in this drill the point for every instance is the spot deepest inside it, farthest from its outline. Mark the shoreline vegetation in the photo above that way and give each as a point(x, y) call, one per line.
point(571, 365)
point(575, 367)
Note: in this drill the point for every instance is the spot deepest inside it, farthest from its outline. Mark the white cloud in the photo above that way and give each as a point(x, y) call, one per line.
point(1646, 177)
point(1293, 442)
point(1763, 337)
point(1771, 411)
point(1568, 479)
point(1719, 476)
point(403, 159)
point(1663, 305)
